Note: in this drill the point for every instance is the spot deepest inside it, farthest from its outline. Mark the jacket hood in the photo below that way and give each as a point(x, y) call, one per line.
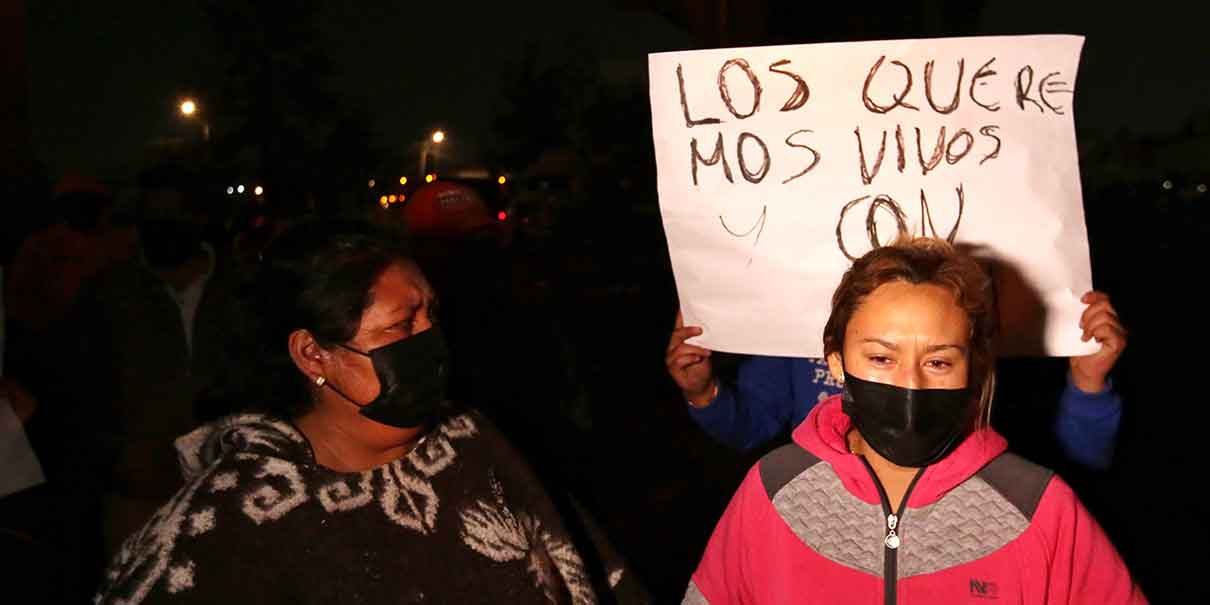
point(823, 434)
point(251, 433)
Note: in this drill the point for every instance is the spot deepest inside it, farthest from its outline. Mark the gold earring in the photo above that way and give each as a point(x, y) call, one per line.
point(320, 380)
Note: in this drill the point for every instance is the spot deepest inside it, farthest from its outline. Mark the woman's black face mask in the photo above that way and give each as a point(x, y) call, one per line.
point(412, 375)
point(909, 427)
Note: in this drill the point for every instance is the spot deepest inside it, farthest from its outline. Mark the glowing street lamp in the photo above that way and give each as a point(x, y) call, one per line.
point(189, 109)
point(430, 146)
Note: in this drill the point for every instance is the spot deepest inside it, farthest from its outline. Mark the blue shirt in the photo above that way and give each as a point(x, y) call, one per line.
point(775, 394)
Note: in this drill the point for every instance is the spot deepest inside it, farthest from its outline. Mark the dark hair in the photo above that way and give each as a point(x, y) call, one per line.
point(926, 261)
point(316, 276)
point(170, 177)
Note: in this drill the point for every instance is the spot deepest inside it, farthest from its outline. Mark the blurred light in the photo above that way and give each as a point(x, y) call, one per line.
point(403, 180)
point(230, 190)
point(428, 178)
point(502, 215)
point(402, 197)
point(1201, 187)
point(259, 190)
point(1167, 185)
point(188, 107)
point(383, 200)
point(372, 183)
point(240, 189)
point(502, 180)
point(438, 136)
point(391, 199)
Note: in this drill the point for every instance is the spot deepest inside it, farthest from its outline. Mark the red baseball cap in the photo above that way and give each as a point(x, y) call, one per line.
point(446, 209)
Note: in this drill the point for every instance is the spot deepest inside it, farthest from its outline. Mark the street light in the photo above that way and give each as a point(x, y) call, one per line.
point(189, 109)
point(437, 138)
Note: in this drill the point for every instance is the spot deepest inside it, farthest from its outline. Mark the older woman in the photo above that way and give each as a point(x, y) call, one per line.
point(898, 490)
point(354, 482)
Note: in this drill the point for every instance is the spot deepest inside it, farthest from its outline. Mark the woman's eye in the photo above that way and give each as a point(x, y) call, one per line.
point(939, 364)
point(880, 360)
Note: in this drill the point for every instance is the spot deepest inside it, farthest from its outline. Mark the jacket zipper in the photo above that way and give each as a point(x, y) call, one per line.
point(893, 521)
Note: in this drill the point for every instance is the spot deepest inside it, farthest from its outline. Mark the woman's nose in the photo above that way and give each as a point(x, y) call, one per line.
point(910, 376)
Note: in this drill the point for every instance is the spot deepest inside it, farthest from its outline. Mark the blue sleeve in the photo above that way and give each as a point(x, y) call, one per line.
point(757, 408)
point(811, 383)
point(1086, 425)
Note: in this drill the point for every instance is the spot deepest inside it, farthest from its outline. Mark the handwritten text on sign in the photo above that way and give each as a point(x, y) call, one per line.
point(779, 165)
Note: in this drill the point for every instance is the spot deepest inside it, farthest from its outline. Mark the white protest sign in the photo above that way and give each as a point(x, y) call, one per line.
point(778, 165)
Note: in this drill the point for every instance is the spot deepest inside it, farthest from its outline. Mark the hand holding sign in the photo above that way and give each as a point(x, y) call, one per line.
point(779, 165)
point(690, 366)
point(1100, 323)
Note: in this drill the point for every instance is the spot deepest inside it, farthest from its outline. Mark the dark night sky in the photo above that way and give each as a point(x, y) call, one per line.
point(1145, 67)
point(105, 76)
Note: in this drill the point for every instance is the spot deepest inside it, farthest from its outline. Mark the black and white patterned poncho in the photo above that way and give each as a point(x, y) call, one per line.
point(460, 519)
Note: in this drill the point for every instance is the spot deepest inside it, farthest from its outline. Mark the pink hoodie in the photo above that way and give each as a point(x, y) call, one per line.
point(983, 526)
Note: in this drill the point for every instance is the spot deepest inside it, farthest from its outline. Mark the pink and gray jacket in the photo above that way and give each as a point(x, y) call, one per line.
point(811, 524)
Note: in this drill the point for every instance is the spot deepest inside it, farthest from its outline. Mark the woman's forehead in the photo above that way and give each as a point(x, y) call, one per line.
point(400, 285)
point(904, 310)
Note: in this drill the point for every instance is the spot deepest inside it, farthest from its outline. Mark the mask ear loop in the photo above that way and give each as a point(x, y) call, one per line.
point(351, 349)
point(328, 383)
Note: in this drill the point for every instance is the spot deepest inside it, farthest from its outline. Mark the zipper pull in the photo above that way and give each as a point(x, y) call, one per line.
point(892, 539)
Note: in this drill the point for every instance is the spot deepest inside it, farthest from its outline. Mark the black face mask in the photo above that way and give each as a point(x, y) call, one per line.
point(411, 377)
point(908, 427)
point(168, 243)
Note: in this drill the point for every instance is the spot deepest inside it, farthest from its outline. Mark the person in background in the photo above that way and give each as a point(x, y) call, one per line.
point(899, 489)
point(51, 265)
point(147, 335)
point(347, 477)
point(49, 273)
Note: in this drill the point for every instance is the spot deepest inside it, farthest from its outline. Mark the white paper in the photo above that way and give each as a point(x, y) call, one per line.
point(19, 467)
point(757, 256)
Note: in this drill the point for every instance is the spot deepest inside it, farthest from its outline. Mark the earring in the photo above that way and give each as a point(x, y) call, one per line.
point(320, 380)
